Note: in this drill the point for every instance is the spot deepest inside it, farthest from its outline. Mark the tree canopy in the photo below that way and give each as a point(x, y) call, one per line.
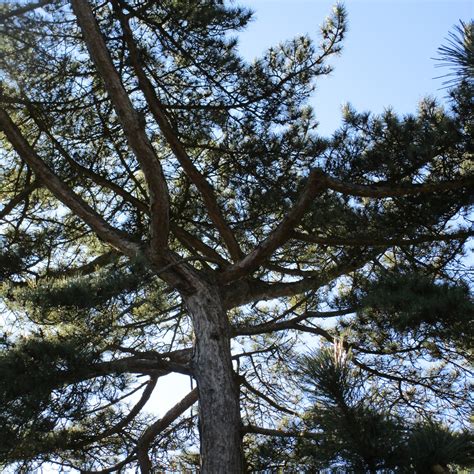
point(168, 207)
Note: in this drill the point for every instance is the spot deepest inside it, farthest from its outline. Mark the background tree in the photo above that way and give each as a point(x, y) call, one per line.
point(168, 207)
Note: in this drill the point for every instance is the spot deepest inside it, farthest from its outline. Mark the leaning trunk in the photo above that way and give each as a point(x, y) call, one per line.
point(219, 407)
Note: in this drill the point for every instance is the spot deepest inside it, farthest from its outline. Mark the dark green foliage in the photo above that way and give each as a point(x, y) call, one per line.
point(81, 292)
point(352, 425)
point(411, 303)
point(458, 54)
point(20, 251)
point(431, 444)
point(34, 374)
point(353, 428)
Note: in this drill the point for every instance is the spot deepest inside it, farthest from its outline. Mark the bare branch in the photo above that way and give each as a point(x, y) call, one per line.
point(182, 235)
point(153, 430)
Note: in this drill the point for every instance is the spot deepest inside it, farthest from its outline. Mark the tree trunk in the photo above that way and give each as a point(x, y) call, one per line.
point(219, 406)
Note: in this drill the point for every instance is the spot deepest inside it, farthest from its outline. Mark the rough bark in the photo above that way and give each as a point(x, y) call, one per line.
point(219, 408)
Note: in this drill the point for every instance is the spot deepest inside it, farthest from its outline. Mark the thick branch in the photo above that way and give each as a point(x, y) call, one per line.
point(318, 181)
point(131, 415)
point(246, 291)
point(22, 10)
point(278, 236)
point(132, 126)
point(175, 144)
point(115, 237)
point(153, 430)
point(294, 324)
point(367, 240)
point(187, 239)
point(87, 268)
point(94, 177)
point(114, 469)
point(288, 324)
point(131, 365)
point(252, 429)
point(396, 190)
point(128, 365)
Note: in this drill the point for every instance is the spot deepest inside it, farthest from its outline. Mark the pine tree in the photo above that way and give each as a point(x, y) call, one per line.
point(351, 426)
point(169, 208)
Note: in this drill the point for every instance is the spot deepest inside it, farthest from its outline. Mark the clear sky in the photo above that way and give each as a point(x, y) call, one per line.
point(387, 51)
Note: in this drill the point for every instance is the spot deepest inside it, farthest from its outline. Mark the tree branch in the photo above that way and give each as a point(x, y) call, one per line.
point(18, 198)
point(367, 240)
point(131, 365)
point(22, 10)
point(196, 244)
point(153, 430)
point(133, 129)
point(175, 144)
point(288, 324)
point(181, 234)
point(278, 236)
point(115, 237)
point(113, 469)
point(252, 429)
point(146, 394)
point(246, 291)
point(87, 268)
point(395, 190)
point(94, 177)
point(265, 397)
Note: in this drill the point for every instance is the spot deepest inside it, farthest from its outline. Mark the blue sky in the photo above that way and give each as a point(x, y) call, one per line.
point(387, 54)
